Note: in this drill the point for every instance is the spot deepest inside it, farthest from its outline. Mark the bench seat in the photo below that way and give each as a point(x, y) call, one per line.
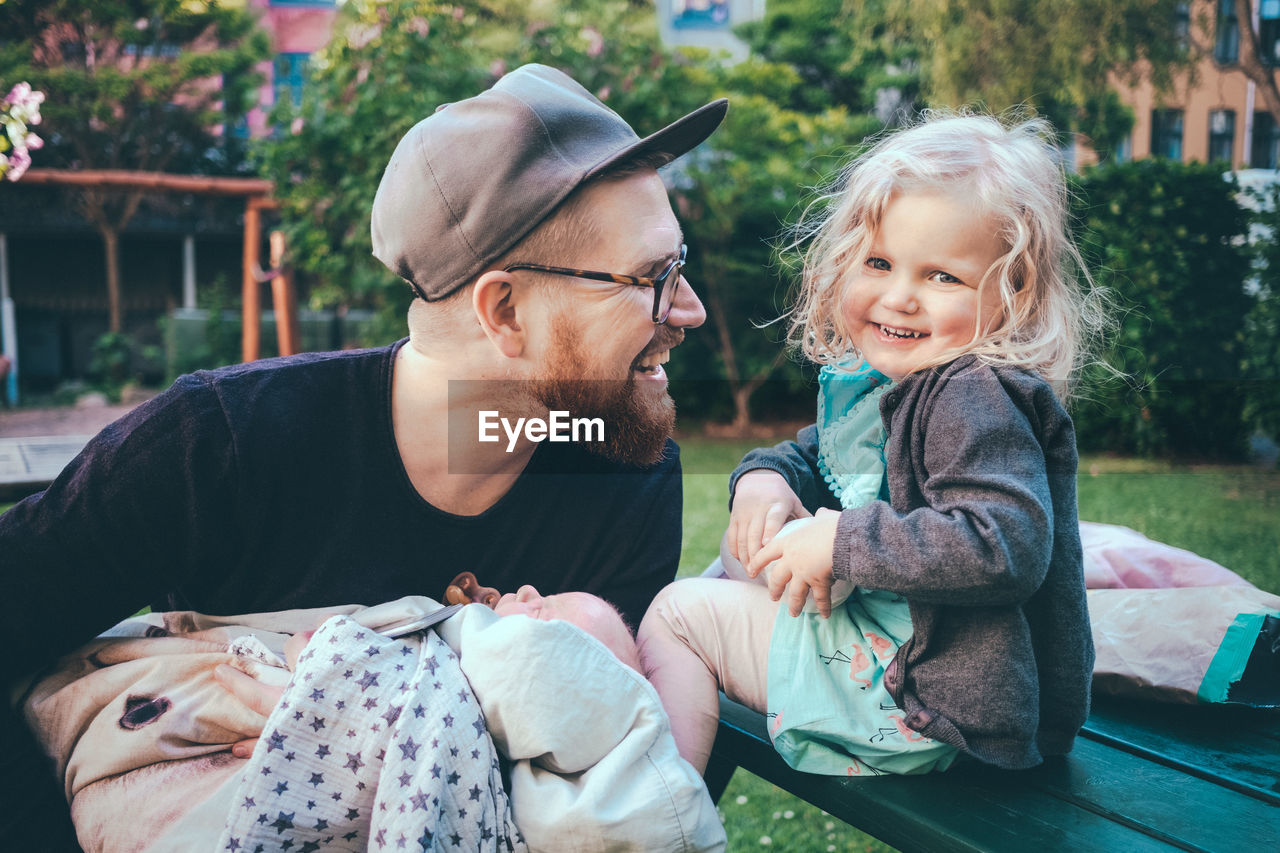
point(1142, 776)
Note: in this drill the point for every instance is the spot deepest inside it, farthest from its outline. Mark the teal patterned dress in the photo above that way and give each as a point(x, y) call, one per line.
point(828, 709)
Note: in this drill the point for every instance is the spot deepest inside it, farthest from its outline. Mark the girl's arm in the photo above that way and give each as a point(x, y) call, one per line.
point(977, 487)
point(771, 486)
point(762, 503)
point(797, 463)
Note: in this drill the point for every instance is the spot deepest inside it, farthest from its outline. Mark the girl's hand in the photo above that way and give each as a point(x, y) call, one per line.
point(762, 503)
point(801, 564)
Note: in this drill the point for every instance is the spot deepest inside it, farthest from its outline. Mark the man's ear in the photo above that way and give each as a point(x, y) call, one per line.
point(494, 301)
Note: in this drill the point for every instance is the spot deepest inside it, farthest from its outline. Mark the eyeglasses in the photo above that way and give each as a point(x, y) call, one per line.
point(664, 286)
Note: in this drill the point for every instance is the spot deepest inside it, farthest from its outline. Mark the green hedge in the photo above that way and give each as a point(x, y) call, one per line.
point(1262, 328)
point(1169, 240)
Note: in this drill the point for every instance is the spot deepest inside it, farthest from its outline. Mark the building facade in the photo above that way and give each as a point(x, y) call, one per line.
point(707, 23)
point(1220, 117)
point(298, 28)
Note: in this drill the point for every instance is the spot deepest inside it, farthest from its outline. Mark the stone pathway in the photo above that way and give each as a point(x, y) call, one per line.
point(35, 444)
point(29, 464)
point(84, 419)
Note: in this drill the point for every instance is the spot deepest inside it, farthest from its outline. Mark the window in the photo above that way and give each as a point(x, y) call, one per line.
point(1227, 48)
point(1182, 24)
point(73, 52)
point(1166, 134)
point(1265, 144)
point(1123, 152)
point(1222, 135)
point(1269, 32)
point(151, 51)
point(290, 73)
point(700, 14)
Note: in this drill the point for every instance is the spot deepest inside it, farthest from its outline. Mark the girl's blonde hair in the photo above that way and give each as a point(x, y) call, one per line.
point(1049, 308)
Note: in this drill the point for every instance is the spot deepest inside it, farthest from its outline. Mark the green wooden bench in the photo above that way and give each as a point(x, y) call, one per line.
point(1142, 776)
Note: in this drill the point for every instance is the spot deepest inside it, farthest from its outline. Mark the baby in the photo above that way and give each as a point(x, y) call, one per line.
point(374, 711)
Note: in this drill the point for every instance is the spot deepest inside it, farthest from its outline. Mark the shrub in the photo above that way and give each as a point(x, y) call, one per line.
point(111, 362)
point(1169, 240)
point(1262, 327)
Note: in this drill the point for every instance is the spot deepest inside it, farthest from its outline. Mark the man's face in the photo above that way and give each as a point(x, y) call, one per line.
point(637, 418)
point(605, 355)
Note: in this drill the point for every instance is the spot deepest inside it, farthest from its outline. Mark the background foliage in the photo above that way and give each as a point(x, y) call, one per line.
point(133, 84)
point(1200, 326)
point(1168, 239)
point(1261, 367)
point(1060, 63)
point(390, 64)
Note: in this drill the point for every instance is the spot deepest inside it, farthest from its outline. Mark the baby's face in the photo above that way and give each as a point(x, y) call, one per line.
point(589, 612)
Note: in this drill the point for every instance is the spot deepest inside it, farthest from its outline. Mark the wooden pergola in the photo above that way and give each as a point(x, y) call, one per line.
point(257, 195)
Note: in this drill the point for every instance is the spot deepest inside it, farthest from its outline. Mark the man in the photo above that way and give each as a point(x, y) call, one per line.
point(532, 224)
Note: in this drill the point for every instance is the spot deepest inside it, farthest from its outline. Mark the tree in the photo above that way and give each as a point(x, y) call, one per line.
point(132, 84)
point(1261, 367)
point(845, 53)
point(1058, 60)
point(1250, 61)
point(390, 64)
point(387, 66)
point(736, 207)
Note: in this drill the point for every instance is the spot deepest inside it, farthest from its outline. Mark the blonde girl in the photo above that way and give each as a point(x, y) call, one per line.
point(934, 605)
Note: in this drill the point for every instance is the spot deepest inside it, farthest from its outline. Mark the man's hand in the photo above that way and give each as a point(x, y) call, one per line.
point(762, 503)
point(257, 696)
point(253, 693)
point(802, 563)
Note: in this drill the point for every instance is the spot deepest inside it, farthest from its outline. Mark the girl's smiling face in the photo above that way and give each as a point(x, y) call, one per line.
point(917, 296)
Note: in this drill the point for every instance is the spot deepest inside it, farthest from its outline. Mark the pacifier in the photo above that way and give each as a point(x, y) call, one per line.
point(465, 589)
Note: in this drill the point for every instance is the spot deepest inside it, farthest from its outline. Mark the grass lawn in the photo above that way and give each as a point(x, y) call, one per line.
point(1229, 514)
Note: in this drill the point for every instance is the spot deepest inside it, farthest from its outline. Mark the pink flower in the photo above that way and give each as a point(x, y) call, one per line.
point(19, 94)
point(19, 161)
point(359, 36)
point(34, 143)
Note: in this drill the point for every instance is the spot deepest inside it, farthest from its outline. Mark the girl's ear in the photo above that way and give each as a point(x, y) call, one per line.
point(494, 299)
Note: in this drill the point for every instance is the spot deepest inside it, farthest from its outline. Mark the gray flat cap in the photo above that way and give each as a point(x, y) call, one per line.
point(470, 181)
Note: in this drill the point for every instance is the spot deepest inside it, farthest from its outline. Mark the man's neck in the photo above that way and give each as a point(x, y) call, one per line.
point(436, 424)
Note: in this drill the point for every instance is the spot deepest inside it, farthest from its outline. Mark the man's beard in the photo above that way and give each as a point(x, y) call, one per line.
point(636, 425)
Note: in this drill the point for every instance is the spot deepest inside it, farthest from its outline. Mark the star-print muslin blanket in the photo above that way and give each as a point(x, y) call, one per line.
point(376, 744)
